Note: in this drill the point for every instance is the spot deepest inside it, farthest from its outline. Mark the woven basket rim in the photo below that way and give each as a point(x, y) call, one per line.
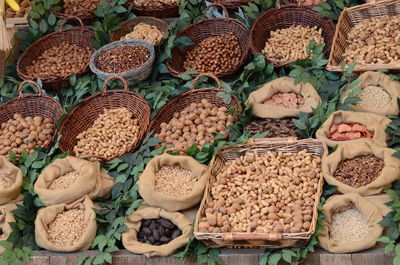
point(152, 9)
point(64, 15)
point(131, 42)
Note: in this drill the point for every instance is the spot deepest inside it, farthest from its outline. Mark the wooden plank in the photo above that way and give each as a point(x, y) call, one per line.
point(373, 256)
point(335, 259)
point(40, 260)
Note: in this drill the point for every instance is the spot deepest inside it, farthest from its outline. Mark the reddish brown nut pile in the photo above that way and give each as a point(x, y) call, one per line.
point(80, 7)
point(275, 127)
point(25, 4)
point(286, 100)
point(215, 54)
point(348, 131)
point(24, 134)
point(194, 125)
point(359, 171)
point(122, 59)
point(155, 4)
point(60, 60)
point(274, 192)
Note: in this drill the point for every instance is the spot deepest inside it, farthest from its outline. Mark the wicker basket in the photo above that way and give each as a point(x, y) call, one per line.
point(184, 100)
point(259, 240)
point(127, 26)
point(285, 17)
point(137, 74)
point(233, 4)
point(32, 105)
point(296, 2)
point(86, 19)
point(85, 113)
point(347, 20)
point(206, 28)
point(166, 11)
point(77, 36)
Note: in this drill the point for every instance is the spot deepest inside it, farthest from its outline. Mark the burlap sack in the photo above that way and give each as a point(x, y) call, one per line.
point(340, 203)
point(6, 216)
point(133, 221)
point(92, 181)
point(146, 183)
point(380, 201)
point(389, 173)
point(381, 80)
point(375, 123)
point(47, 215)
point(283, 85)
point(9, 171)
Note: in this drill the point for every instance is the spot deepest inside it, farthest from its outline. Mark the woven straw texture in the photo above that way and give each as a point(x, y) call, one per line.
point(128, 25)
point(32, 105)
point(85, 113)
point(165, 11)
point(259, 240)
point(184, 100)
point(86, 19)
point(233, 4)
point(137, 74)
point(285, 17)
point(347, 20)
point(77, 36)
point(211, 27)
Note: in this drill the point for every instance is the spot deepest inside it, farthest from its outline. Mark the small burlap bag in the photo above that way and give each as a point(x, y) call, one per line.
point(282, 85)
point(341, 203)
point(14, 175)
point(92, 181)
point(380, 201)
point(6, 216)
point(382, 80)
point(171, 203)
point(133, 221)
point(389, 173)
point(47, 215)
point(375, 123)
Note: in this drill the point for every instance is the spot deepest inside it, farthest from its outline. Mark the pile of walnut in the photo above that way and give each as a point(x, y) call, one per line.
point(290, 44)
point(310, 2)
point(286, 100)
point(154, 4)
point(24, 134)
point(143, 31)
point(60, 60)
point(111, 135)
point(215, 54)
point(274, 192)
point(194, 125)
point(346, 131)
point(374, 41)
point(80, 7)
point(25, 4)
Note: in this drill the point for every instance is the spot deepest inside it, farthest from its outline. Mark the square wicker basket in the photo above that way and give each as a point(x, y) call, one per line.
point(259, 240)
point(347, 20)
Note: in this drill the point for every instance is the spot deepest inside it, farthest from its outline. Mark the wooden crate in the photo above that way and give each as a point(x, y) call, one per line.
point(5, 56)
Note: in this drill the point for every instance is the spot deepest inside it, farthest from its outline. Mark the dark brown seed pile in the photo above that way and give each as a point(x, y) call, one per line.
point(122, 59)
point(276, 127)
point(215, 54)
point(80, 7)
point(359, 171)
point(157, 231)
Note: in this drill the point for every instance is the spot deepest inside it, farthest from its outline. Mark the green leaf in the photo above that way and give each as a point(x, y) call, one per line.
point(43, 26)
point(389, 248)
point(51, 19)
point(274, 258)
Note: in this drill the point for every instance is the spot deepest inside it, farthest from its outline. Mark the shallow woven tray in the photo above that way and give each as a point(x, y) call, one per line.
point(85, 113)
point(259, 240)
point(211, 27)
point(285, 17)
point(86, 19)
point(167, 11)
point(233, 4)
point(32, 105)
point(347, 20)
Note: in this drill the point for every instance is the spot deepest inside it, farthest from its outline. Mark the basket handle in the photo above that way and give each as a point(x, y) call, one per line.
point(71, 18)
point(278, 4)
point(239, 237)
point(20, 94)
point(104, 89)
point(216, 5)
point(194, 82)
point(283, 140)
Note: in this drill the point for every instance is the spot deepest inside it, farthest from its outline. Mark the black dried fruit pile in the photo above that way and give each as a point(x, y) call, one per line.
point(157, 231)
point(276, 127)
point(1, 231)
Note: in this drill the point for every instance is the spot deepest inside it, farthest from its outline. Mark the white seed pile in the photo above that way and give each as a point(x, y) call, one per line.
point(374, 96)
point(348, 226)
point(67, 228)
point(174, 181)
point(5, 182)
point(64, 181)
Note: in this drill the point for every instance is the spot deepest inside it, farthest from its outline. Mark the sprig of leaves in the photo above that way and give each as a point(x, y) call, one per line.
point(197, 251)
point(15, 256)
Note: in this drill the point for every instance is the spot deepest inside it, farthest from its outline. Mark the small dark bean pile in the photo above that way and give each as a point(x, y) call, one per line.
point(1, 231)
point(215, 54)
point(276, 127)
point(158, 231)
point(359, 171)
point(122, 59)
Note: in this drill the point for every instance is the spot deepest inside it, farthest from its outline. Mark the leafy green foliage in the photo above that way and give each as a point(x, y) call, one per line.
point(196, 251)
point(15, 256)
point(332, 9)
point(393, 129)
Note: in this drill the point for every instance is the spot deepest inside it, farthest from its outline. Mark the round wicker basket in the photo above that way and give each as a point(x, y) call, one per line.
point(81, 117)
point(162, 11)
point(80, 36)
point(137, 74)
point(32, 105)
point(128, 25)
point(285, 17)
point(232, 4)
point(86, 19)
point(211, 27)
